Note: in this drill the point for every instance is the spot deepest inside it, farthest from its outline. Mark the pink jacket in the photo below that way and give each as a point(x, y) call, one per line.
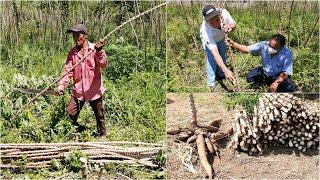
point(87, 78)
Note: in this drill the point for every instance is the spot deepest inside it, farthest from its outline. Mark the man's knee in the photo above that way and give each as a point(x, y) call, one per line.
point(100, 112)
point(286, 86)
point(250, 79)
point(255, 75)
point(98, 108)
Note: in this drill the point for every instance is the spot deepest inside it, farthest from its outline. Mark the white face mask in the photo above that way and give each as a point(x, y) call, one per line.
point(271, 50)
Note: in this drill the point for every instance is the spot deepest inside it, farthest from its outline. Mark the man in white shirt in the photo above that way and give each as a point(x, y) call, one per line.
point(212, 35)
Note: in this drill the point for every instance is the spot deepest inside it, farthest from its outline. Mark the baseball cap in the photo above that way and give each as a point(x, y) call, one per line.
point(209, 11)
point(78, 28)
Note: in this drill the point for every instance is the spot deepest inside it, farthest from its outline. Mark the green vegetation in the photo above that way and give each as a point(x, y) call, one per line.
point(257, 22)
point(241, 100)
point(34, 46)
point(73, 160)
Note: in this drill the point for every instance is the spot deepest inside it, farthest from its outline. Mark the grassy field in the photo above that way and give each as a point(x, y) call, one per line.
point(33, 53)
point(298, 21)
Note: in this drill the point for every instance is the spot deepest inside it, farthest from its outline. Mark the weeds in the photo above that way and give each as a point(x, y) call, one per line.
point(241, 100)
point(134, 104)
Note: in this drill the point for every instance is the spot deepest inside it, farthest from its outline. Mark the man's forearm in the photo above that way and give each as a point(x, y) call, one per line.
point(218, 59)
point(283, 76)
point(240, 47)
point(229, 28)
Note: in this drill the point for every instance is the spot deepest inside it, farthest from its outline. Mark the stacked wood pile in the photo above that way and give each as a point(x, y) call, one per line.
point(40, 155)
point(278, 119)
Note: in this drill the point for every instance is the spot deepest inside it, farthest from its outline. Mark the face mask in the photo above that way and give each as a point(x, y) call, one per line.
point(271, 50)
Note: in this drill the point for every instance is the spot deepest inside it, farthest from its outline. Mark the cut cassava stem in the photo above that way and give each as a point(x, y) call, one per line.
point(193, 120)
point(230, 52)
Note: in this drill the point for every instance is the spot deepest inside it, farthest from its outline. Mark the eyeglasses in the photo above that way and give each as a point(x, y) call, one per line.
point(272, 47)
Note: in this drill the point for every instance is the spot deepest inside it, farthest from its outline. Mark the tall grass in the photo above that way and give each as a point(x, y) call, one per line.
point(134, 102)
point(34, 45)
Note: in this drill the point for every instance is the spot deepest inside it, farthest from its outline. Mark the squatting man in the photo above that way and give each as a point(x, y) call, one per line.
point(276, 69)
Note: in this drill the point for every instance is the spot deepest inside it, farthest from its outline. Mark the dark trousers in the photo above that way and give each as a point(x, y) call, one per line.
point(75, 107)
point(257, 76)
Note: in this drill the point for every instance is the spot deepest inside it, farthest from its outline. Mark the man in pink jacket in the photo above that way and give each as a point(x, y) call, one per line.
point(87, 78)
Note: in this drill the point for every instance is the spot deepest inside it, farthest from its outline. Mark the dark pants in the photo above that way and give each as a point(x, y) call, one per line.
point(75, 107)
point(257, 76)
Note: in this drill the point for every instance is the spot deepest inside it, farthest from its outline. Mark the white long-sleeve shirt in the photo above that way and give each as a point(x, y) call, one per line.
point(210, 36)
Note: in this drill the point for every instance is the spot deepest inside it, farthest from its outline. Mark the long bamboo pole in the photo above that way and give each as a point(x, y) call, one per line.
point(84, 58)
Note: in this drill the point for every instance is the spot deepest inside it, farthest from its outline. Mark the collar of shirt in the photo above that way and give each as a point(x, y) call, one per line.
point(273, 64)
point(90, 46)
point(207, 25)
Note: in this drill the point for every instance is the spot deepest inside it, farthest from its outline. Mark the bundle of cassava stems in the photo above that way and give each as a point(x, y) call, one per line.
point(280, 118)
point(41, 155)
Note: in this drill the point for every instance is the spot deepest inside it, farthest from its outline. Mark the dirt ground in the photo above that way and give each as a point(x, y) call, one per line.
point(278, 162)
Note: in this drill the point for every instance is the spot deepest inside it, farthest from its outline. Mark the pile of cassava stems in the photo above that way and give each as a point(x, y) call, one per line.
point(40, 155)
point(279, 119)
point(205, 136)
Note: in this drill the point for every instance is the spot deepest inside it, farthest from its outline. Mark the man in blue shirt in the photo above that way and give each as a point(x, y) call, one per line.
point(276, 70)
